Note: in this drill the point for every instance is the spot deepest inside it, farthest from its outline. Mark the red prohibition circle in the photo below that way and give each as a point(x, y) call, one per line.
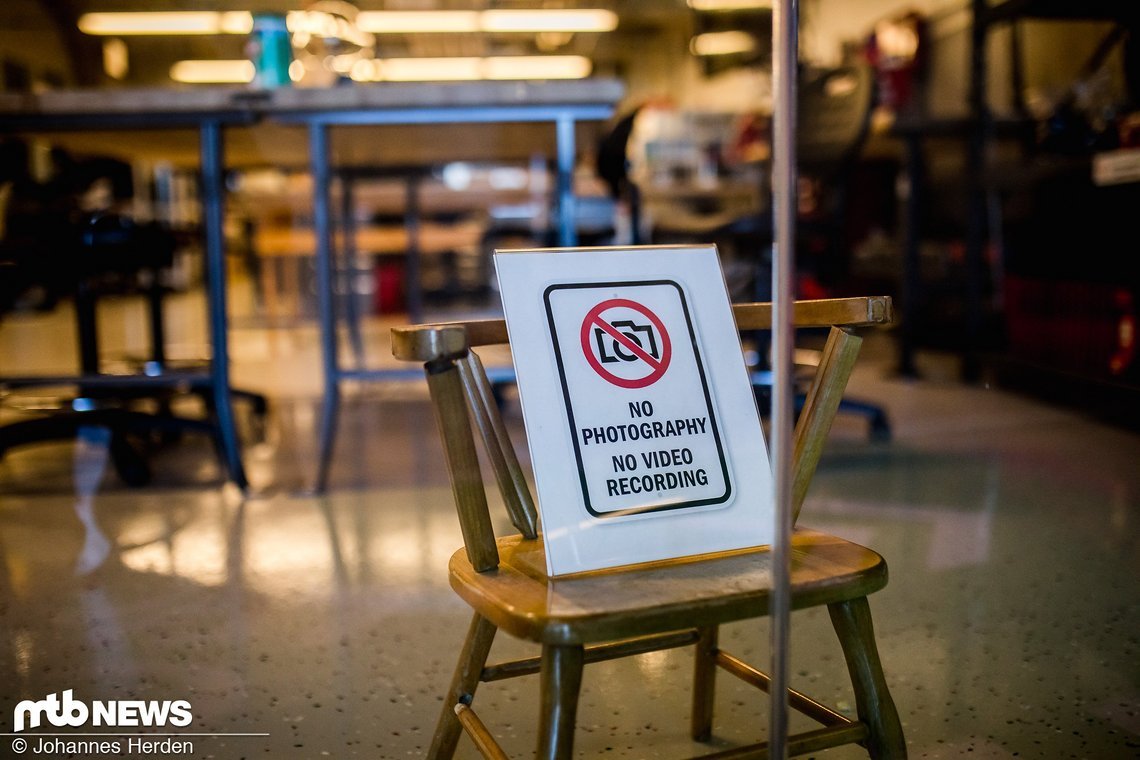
point(657, 366)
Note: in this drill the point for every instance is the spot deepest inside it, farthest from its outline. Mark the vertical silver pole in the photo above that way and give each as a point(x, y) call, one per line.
point(785, 29)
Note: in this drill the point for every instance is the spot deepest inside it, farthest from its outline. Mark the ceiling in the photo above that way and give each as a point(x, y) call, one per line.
point(642, 24)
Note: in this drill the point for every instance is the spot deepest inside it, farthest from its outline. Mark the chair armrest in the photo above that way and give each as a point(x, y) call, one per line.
point(428, 343)
point(847, 312)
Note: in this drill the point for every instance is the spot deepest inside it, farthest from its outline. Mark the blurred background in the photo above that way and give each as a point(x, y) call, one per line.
point(215, 480)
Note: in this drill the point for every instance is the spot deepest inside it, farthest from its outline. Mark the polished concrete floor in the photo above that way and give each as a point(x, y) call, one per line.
point(323, 626)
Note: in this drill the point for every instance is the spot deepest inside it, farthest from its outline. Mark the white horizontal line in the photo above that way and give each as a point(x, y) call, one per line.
point(36, 733)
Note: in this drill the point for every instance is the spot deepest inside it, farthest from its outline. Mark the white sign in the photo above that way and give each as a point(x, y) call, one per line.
point(640, 414)
point(644, 434)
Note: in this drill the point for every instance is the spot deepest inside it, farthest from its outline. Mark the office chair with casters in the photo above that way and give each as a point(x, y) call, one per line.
point(602, 615)
point(834, 109)
point(833, 119)
point(110, 254)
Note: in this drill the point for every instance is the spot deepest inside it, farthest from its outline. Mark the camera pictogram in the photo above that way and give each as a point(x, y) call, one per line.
point(610, 349)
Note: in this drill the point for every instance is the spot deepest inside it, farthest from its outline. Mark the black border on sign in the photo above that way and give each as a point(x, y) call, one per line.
point(570, 411)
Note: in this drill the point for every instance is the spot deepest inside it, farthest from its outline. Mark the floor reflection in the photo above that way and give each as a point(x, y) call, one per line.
point(1008, 628)
point(92, 450)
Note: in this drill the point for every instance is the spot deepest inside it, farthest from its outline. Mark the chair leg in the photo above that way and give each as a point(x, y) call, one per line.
point(704, 684)
point(463, 684)
point(561, 681)
point(852, 623)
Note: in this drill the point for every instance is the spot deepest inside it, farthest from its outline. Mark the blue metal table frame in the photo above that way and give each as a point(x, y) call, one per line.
point(208, 110)
point(564, 119)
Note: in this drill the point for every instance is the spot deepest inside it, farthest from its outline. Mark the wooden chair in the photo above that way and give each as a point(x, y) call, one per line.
point(603, 615)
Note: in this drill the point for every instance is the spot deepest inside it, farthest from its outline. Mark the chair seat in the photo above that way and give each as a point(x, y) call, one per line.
point(657, 597)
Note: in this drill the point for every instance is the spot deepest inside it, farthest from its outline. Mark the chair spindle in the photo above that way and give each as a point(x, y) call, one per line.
point(497, 443)
point(835, 366)
point(446, 390)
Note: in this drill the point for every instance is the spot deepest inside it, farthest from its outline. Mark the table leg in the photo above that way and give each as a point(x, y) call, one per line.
point(567, 227)
point(213, 190)
point(326, 307)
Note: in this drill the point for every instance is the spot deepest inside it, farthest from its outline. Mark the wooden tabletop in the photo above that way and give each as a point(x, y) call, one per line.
point(499, 121)
point(209, 101)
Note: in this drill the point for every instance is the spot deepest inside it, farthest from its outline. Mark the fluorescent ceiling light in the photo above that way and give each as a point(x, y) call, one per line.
point(730, 5)
point(431, 69)
point(549, 20)
point(412, 22)
point(213, 72)
point(167, 22)
point(722, 43)
point(496, 21)
point(470, 69)
point(375, 22)
point(537, 67)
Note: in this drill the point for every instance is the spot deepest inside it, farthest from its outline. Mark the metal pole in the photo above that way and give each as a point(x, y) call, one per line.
point(567, 229)
point(213, 212)
point(785, 29)
point(326, 305)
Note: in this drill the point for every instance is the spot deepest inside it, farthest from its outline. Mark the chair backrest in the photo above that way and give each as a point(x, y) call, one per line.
point(461, 395)
point(834, 115)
